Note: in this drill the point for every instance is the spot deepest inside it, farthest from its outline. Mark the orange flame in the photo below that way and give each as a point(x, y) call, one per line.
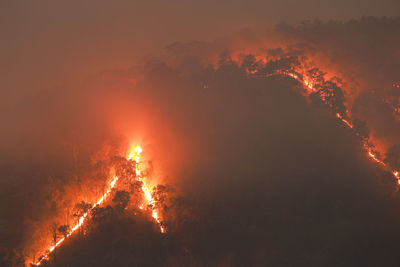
point(309, 84)
point(80, 222)
point(340, 117)
point(145, 187)
point(135, 155)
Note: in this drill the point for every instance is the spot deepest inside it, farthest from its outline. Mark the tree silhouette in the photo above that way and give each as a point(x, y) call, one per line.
point(81, 208)
point(121, 199)
point(64, 230)
point(54, 233)
point(98, 213)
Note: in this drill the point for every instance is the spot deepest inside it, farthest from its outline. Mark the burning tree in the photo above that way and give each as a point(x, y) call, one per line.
point(64, 230)
point(128, 169)
point(81, 208)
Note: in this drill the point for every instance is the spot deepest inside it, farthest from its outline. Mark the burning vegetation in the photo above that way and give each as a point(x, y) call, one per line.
point(132, 191)
point(130, 174)
point(329, 92)
point(276, 151)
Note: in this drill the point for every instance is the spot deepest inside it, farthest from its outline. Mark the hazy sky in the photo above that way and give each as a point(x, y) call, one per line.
point(88, 35)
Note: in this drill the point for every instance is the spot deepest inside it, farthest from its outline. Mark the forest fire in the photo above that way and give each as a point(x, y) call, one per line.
point(135, 154)
point(340, 117)
point(308, 84)
point(313, 82)
point(375, 158)
point(210, 144)
point(146, 189)
point(80, 221)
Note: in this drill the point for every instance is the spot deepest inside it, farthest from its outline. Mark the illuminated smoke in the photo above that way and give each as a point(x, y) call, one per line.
point(82, 219)
point(146, 189)
point(308, 84)
point(135, 155)
point(311, 85)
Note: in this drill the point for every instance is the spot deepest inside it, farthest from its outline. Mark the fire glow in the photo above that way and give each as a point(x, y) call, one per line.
point(135, 155)
point(309, 84)
point(80, 221)
point(146, 189)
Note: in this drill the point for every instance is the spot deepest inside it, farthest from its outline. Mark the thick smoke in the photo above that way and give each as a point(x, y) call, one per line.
point(263, 175)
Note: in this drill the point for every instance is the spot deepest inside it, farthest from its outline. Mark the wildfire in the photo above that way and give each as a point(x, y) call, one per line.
point(145, 187)
point(80, 221)
point(309, 84)
point(340, 117)
point(375, 158)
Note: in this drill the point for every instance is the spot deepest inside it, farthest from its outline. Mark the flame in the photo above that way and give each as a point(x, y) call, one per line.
point(308, 84)
point(375, 158)
point(80, 221)
point(397, 176)
point(299, 74)
point(146, 189)
point(340, 117)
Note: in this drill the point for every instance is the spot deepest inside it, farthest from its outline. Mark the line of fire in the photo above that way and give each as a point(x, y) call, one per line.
point(128, 173)
point(328, 91)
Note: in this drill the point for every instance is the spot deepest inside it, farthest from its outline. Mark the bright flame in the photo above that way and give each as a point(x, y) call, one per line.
point(340, 117)
point(375, 158)
point(145, 187)
point(80, 222)
point(308, 83)
point(135, 155)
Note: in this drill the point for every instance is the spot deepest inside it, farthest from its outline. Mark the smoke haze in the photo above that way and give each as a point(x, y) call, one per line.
point(263, 175)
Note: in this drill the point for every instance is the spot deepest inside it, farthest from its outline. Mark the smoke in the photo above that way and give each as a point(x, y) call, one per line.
point(365, 55)
point(267, 176)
